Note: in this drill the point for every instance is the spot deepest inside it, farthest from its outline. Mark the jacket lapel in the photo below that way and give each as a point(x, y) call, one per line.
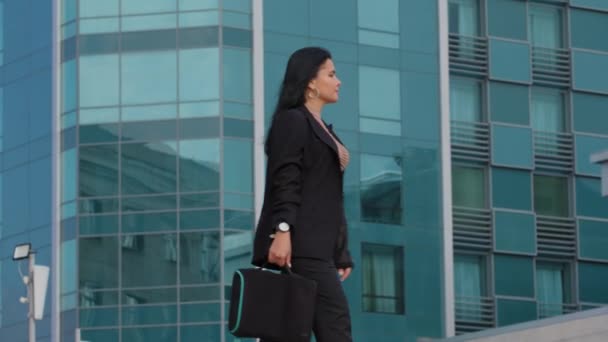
point(321, 133)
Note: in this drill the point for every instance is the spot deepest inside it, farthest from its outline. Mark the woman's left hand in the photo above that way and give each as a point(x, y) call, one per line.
point(344, 273)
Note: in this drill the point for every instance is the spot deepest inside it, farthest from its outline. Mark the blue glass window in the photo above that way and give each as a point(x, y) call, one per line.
point(379, 102)
point(464, 17)
point(68, 86)
point(199, 74)
point(237, 74)
point(238, 166)
point(379, 23)
point(552, 284)
point(158, 251)
point(545, 26)
point(548, 110)
point(149, 77)
point(152, 6)
point(469, 286)
point(200, 258)
point(98, 80)
point(551, 196)
point(465, 100)
point(95, 8)
point(148, 167)
point(189, 5)
point(199, 165)
point(469, 187)
point(381, 181)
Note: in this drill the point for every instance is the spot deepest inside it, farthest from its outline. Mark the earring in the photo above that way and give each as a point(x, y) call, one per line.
point(315, 95)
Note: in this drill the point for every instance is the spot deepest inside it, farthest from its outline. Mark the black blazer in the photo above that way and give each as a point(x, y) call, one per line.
point(304, 187)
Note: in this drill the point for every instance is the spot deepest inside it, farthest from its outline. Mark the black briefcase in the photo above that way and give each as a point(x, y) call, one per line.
point(275, 306)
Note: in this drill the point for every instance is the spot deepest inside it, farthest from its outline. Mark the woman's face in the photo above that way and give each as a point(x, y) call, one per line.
point(326, 82)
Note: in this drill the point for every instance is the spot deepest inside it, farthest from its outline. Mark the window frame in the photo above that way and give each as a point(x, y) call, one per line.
point(566, 101)
point(484, 103)
point(569, 195)
point(486, 182)
point(398, 253)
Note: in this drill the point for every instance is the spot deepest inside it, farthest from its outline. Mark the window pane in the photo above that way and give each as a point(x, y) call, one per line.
point(546, 26)
point(160, 334)
point(149, 77)
point(381, 179)
point(469, 286)
point(551, 196)
point(199, 74)
point(383, 278)
point(465, 100)
point(200, 258)
point(379, 102)
point(98, 170)
point(238, 165)
point(550, 289)
point(199, 164)
point(237, 252)
point(510, 103)
point(464, 17)
point(68, 175)
point(507, 18)
point(548, 112)
point(68, 266)
point(96, 8)
point(237, 74)
point(152, 6)
point(188, 5)
point(68, 86)
point(149, 260)
point(587, 27)
point(468, 187)
point(99, 80)
point(148, 167)
point(379, 15)
point(98, 262)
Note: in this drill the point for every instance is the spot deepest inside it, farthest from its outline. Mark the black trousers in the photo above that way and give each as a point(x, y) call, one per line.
point(332, 317)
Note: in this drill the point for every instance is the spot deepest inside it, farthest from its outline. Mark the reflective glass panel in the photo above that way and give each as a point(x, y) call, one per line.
point(551, 196)
point(379, 102)
point(148, 167)
point(199, 165)
point(200, 258)
point(469, 187)
point(149, 260)
point(98, 262)
point(381, 182)
point(149, 77)
point(199, 75)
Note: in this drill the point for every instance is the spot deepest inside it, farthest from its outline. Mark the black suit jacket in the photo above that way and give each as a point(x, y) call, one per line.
point(304, 187)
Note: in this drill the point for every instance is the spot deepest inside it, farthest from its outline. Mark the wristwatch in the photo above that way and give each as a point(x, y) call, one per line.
point(282, 227)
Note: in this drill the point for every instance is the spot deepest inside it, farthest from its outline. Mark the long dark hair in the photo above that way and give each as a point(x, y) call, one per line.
point(302, 67)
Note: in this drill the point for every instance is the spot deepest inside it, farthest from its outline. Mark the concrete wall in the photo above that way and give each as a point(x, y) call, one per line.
point(586, 326)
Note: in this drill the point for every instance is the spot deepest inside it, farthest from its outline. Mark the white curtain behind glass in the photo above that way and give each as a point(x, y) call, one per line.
point(465, 102)
point(547, 111)
point(464, 18)
point(379, 279)
point(549, 289)
point(468, 286)
point(545, 27)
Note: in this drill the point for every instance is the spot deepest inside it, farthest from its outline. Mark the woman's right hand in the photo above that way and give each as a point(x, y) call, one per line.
point(280, 250)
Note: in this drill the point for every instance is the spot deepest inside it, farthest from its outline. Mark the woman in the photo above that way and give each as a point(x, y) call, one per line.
point(302, 224)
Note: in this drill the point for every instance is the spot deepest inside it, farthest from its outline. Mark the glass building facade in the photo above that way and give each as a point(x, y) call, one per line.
point(131, 157)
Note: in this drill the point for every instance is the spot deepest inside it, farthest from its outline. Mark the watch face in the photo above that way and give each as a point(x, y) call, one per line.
point(284, 227)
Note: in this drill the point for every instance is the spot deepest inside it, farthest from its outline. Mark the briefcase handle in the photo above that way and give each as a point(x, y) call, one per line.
point(284, 269)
